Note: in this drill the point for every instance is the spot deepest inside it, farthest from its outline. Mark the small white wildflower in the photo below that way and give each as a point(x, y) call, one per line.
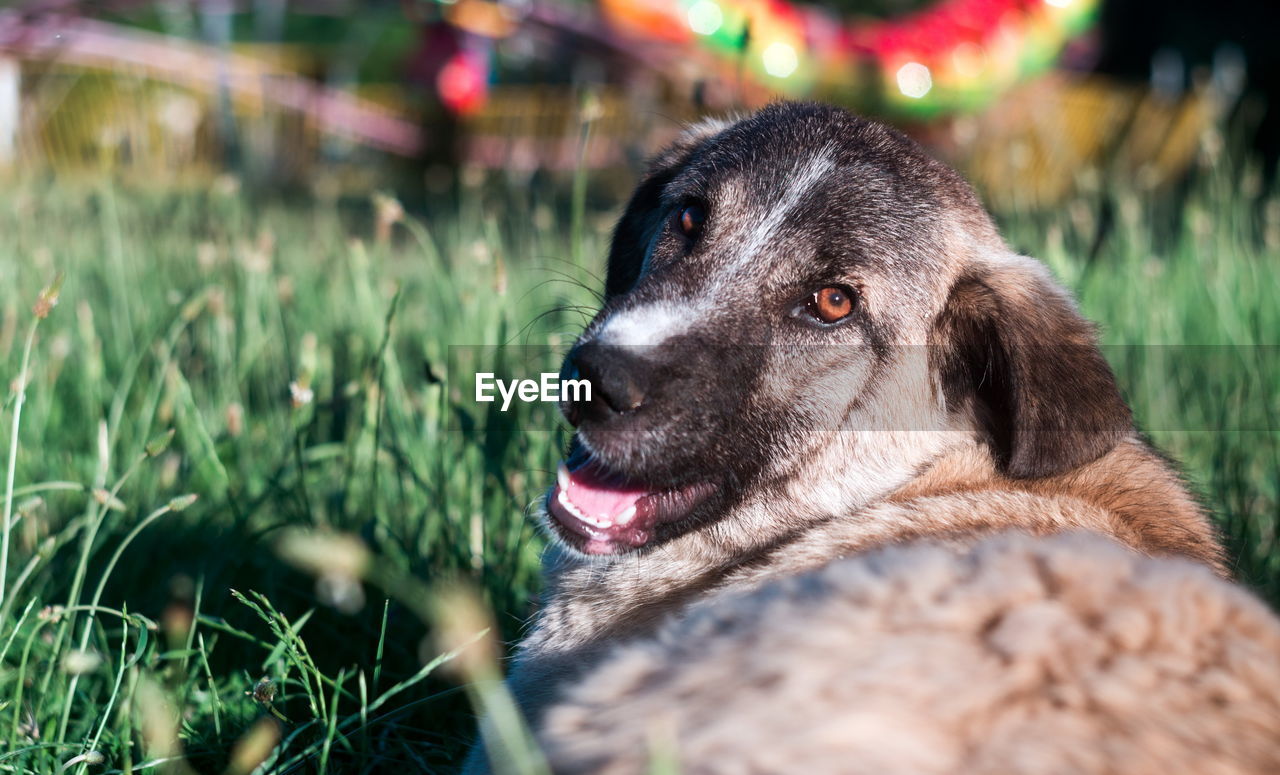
point(80, 662)
point(235, 419)
point(48, 298)
point(94, 758)
point(181, 502)
point(592, 108)
point(300, 395)
point(105, 498)
point(206, 255)
point(226, 185)
point(340, 591)
point(324, 553)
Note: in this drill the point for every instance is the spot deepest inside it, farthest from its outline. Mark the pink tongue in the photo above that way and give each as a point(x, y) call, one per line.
point(600, 498)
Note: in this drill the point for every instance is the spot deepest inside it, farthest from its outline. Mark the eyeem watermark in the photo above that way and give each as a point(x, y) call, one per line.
point(548, 388)
point(1172, 388)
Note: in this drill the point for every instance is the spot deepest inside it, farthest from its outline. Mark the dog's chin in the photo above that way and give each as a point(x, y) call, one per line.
point(597, 510)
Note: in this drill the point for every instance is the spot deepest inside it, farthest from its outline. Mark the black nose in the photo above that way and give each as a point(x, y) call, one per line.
point(616, 377)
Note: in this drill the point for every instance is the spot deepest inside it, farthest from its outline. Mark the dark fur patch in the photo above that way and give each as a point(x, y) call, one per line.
point(635, 229)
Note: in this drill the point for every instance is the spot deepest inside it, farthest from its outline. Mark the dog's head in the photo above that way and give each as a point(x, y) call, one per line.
point(801, 309)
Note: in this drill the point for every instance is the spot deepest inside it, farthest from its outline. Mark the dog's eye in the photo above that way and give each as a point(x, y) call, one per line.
point(690, 219)
point(831, 304)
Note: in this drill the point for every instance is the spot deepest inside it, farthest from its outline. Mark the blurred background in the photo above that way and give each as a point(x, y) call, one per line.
point(337, 97)
point(247, 246)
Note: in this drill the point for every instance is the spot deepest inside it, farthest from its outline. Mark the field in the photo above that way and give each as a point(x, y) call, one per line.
point(288, 366)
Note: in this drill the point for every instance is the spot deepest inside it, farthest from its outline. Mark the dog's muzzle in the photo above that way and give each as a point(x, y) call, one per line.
point(617, 376)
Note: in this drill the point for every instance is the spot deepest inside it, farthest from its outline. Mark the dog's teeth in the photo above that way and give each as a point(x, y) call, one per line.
point(562, 477)
point(601, 522)
point(572, 509)
point(626, 516)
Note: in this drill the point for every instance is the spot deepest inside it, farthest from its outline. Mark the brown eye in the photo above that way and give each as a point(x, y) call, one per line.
point(690, 220)
point(831, 304)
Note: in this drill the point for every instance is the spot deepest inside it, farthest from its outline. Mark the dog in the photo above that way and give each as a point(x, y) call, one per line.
point(814, 342)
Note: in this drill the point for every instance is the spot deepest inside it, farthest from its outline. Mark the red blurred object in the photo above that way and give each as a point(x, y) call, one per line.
point(463, 83)
point(933, 31)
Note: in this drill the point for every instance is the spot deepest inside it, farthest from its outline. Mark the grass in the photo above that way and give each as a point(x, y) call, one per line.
point(242, 474)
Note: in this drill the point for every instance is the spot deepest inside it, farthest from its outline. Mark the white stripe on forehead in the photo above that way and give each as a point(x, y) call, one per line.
point(804, 176)
point(646, 325)
point(651, 324)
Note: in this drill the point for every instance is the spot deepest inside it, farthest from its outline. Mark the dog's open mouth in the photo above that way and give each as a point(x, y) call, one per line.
point(608, 513)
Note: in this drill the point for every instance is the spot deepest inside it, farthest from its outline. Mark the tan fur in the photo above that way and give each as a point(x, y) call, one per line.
point(1036, 656)
point(1134, 497)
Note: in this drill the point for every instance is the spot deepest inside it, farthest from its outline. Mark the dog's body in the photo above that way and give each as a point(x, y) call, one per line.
point(813, 343)
point(1036, 656)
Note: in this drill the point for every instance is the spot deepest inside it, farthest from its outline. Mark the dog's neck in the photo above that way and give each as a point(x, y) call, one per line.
point(589, 599)
point(1129, 494)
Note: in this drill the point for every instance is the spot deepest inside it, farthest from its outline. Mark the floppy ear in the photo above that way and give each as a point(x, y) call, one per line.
point(1011, 343)
point(635, 229)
